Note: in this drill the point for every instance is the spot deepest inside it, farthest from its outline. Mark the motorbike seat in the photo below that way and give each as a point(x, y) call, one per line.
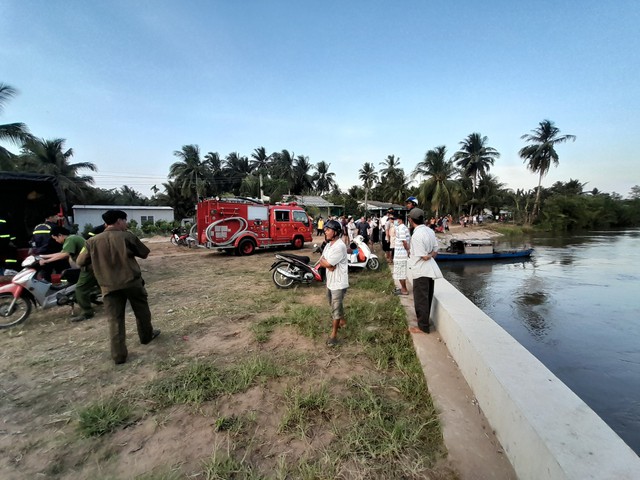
point(71, 275)
point(299, 258)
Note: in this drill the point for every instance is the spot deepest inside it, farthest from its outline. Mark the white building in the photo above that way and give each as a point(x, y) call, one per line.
point(92, 214)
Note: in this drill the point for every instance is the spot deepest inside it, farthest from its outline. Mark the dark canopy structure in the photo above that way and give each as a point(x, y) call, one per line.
point(26, 199)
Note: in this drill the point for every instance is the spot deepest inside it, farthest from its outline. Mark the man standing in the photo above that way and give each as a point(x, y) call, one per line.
point(43, 243)
point(334, 259)
point(112, 254)
point(72, 245)
point(422, 268)
point(401, 253)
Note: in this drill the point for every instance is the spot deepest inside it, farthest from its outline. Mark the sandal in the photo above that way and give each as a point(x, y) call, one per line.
point(332, 342)
point(399, 292)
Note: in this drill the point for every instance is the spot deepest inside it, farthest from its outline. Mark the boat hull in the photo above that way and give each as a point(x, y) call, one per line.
point(447, 256)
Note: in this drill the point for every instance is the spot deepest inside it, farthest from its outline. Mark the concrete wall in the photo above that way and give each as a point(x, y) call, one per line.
point(546, 431)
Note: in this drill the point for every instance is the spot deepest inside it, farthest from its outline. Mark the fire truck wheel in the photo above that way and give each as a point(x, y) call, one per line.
point(298, 243)
point(246, 247)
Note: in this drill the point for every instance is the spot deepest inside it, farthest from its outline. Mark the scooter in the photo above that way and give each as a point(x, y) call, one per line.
point(182, 239)
point(26, 291)
point(361, 255)
point(289, 269)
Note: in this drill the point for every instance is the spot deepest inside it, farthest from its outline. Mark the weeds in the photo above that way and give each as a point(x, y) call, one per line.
point(200, 382)
point(302, 408)
point(103, 417)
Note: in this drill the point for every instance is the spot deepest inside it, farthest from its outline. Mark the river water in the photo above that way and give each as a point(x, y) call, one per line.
point(575, 305)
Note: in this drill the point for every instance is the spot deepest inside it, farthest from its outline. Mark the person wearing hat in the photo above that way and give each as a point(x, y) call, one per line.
point(422, 268)
point(411, 203)
point(334, 259)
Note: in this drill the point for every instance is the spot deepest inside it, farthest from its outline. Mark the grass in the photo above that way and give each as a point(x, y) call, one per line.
point(303, 407)
point(304, 424)
point(104, 417)
point(199, 381)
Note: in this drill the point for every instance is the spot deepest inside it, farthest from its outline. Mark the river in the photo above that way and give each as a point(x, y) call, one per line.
point(575, 305)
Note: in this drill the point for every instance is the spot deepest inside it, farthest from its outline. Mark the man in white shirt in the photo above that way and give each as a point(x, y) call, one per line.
point(422, 268)
point(334, 259)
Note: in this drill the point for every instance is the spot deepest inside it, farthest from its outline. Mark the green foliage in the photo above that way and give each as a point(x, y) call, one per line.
point(149, 228)
point(586, 212)
point(103, 417)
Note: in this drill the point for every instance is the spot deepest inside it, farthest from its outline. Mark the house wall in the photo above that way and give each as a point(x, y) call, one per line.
point(83, 214)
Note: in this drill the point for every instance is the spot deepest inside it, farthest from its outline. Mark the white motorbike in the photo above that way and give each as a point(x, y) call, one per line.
point(361, 255)
point(25, 291)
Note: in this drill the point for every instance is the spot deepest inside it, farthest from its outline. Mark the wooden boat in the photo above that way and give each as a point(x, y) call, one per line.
point(479, 250)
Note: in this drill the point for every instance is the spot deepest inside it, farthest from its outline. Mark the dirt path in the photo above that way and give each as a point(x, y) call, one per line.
point(207, 306)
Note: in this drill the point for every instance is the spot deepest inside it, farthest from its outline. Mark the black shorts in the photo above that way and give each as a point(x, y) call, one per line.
point(386, 247)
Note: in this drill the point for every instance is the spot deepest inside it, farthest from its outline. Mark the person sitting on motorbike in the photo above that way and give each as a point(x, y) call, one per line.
point(72, 245)
point(334, 259)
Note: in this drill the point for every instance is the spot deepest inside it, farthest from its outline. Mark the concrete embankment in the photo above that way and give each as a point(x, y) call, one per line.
point(545, 430)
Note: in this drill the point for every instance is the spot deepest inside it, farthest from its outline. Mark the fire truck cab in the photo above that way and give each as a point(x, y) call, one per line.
point(242, 225)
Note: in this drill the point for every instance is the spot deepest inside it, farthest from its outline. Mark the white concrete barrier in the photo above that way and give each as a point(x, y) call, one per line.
point(546, 431)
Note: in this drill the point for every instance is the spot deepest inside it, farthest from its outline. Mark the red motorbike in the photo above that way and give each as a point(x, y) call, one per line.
point(182, 239)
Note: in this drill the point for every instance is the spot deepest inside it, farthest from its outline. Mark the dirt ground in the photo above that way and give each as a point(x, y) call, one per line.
point(205, 304)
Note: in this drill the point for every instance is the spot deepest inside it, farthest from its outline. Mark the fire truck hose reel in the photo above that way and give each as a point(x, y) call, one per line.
point(244, 224)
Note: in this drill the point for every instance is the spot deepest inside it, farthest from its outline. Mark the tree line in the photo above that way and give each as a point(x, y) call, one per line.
point(444, 184)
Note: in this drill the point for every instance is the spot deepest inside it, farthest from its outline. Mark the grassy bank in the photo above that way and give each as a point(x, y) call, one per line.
point(240, 385)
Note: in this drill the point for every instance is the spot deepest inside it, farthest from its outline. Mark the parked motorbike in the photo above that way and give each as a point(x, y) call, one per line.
point(361, 255)
point(26, 291)
point(182, 239)
point(289, 269)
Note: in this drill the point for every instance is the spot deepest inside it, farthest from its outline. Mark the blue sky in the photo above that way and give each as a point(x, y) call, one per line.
point(127, 83)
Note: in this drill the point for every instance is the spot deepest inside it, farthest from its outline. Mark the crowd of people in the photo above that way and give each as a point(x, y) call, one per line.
point(108, 261)
point(411, 249)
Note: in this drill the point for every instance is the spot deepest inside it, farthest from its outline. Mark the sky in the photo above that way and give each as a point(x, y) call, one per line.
point(127, 83)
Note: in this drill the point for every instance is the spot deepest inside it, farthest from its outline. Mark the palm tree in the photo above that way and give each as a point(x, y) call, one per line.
point(217, 182)
point(395, 187)
point(236, 168)
point(260, 162)
point(190, 173)
point(475, 157)
point(323, 178)
point(439, 187)
point(369, 176)
point(541, 152)
point(303, 180)
point(282, 167)
point(50, 158)
point(391, 166)
point(16, 133)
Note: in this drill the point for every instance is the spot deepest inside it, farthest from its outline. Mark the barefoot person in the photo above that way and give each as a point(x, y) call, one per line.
point(112, 255)
point(422, 268)
point(334, 259)
point(401, 252)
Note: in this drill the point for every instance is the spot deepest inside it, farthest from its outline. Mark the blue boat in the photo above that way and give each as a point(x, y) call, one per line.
point(479, 250)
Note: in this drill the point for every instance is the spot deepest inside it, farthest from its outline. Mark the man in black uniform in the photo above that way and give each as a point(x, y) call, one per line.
point(8, 252)
point(42, 243)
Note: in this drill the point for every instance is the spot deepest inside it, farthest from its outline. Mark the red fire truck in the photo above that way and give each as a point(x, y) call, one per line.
point(241, 225)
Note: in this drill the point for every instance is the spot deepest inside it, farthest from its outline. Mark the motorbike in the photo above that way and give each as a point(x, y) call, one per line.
point(361, 256)
point(25, 292)
point(289, 269)
point(182, 239)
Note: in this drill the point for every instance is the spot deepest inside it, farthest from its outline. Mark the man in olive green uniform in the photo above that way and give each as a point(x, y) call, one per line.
point(72, 245)
point(112, 254)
